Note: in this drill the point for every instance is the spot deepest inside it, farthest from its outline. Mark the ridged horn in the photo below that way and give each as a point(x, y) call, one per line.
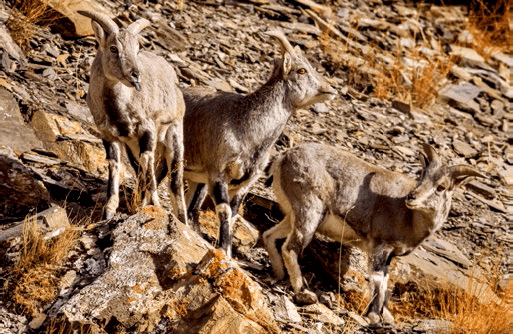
point(459, 171)
point(109, 26)
point(137, 26)
point(430, 153)
point(284, 42)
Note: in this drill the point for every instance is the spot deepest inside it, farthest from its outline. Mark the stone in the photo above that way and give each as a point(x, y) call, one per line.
point(25, 156)
point(220, 85)
point(461, 73)
point(72, 24)
point(446, 250)
point(245, 235)
point(67, 280)
point(361, 321)
point(507, 175)
point(405, 151)
point(131, 286)
point(13, 131)
point(465, 38)
point(320, 108)
point(497, 107)
point(320, 312)
point(19, 185)
point(286, 311)
point(463, 148)
point(79, 112)
point(468, 57)
point(37, 320)
point(156, 267)
point(508, 154)
point(503, 58)
point(432, 326)
point(70, 142)
point(481, 188)
point(238, 307)
point(401, 106)
point(52, 222)
point(10, 47)
point(54, 218)
point(460, 96)
point(11, 323)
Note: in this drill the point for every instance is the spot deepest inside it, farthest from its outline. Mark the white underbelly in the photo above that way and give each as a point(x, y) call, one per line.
point(337, 229)
point(195, 176)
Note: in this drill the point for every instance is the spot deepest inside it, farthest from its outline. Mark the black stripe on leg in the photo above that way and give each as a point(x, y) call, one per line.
point(146, 142)
point(236, 202)
point(199, 193)
point(220, 192)
point(133, 161)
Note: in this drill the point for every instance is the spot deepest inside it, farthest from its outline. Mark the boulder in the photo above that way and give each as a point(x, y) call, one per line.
point(9, 46)
point(72, 24)
point(21, 189)
point(238, 306)
point(70, 142)
point(161, 274)
point(13, 131)
point(461, 97)
point(51, 221)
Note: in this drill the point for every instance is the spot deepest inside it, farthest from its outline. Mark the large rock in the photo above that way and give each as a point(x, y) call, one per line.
point(52, 222)
point(238, 306)
point(20, 188)
point(13, 131)
point(131, 291)
point(161, 274)
point(71, 23)
point(9, 46)
point(70, 142)
point(461, 97)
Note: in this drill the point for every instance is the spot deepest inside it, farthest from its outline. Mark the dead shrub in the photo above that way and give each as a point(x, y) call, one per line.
point(489, 26)
point(34, 276)
point(386, 75)
point(472, 310)
point(25, 16)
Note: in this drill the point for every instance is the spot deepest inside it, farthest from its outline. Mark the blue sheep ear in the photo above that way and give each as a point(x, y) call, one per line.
point(287, 63)
point(99, 33)
point(103, 26)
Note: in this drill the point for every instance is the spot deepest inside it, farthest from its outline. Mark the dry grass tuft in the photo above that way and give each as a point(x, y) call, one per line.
point(24, 17)
point(417, 85)
point(34, 276)
point(489, 26)
point(386, 75)
point(472, 310)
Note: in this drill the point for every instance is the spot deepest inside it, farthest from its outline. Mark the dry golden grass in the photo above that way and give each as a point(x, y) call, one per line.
point(367, 72)
point(489, 26)
point(425, 82)
point(24, 17)
point(415, 85)
point(33, 277)
point(474, 310)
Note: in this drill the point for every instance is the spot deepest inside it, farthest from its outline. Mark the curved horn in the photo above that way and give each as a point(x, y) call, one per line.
point(282, 39)
point(459, 171)
point(137, 26)
point(103, 20)
point(430, 153)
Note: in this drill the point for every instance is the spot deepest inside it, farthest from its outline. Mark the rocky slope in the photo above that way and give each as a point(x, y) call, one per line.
point(142, 273)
